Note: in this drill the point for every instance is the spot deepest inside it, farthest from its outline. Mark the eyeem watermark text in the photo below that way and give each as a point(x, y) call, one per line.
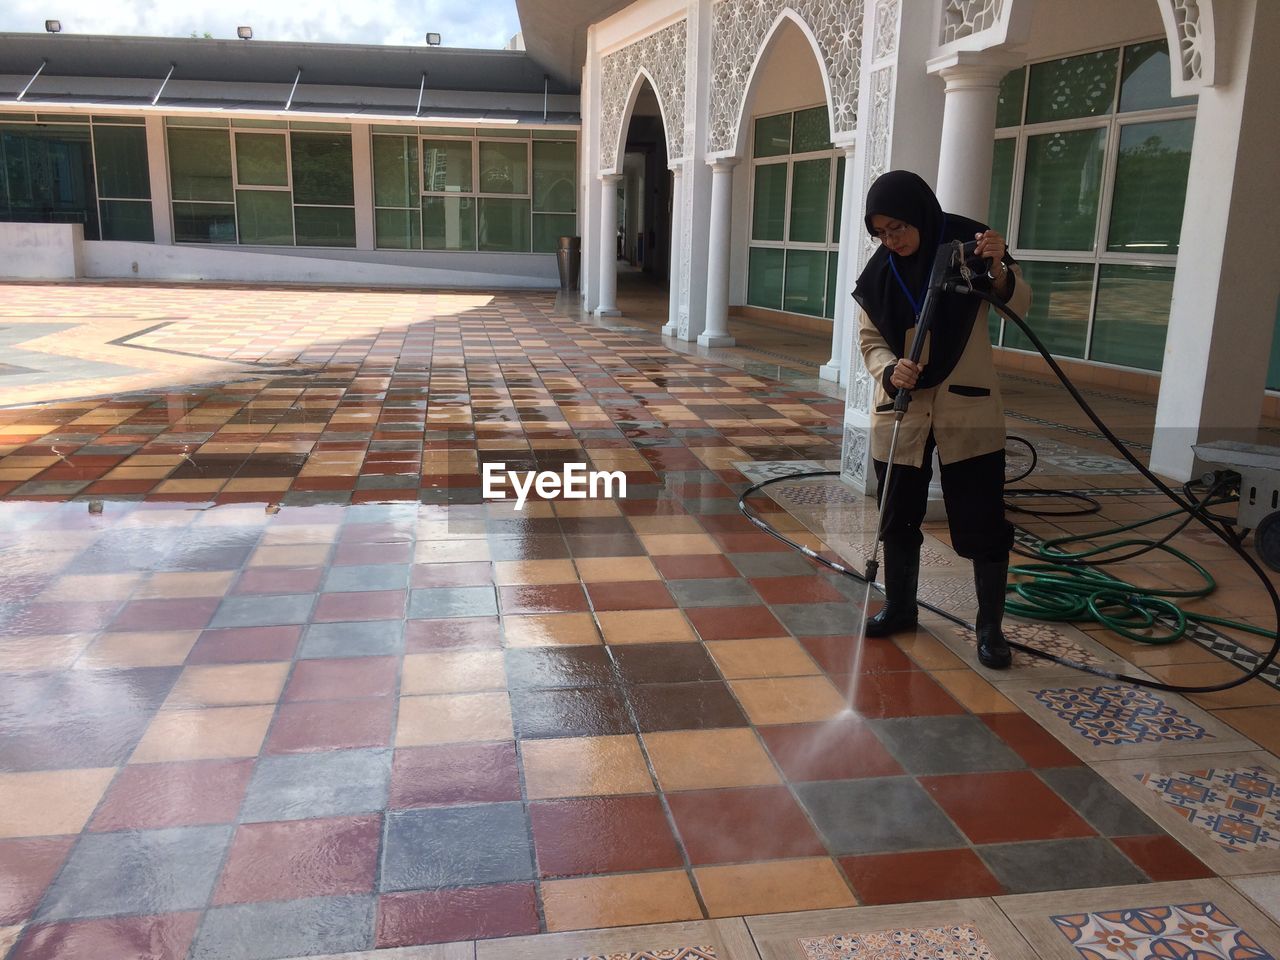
point(576, 483)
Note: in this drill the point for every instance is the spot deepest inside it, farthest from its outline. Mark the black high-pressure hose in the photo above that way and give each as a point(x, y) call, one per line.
point(1195, 509)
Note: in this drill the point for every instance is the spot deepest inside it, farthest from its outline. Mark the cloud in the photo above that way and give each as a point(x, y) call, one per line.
point(478, 23)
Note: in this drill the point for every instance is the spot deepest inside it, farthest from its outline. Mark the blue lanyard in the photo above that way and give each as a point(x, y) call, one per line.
point(916, 305)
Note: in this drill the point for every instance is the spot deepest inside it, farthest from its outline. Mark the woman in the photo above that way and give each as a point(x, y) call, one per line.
point(955, 402)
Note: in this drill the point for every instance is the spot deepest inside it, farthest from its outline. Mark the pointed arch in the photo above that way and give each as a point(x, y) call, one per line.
point(660, 59)
point(1189, 28)
point(624, 120)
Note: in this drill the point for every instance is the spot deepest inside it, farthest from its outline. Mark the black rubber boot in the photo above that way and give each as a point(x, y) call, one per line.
point(990, 580)
point(901, 578)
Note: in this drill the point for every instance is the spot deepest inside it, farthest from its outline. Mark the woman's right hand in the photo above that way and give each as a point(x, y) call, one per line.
point(905, 374)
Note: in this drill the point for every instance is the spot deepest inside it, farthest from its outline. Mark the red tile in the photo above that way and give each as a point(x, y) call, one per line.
point(343, 679)
point(51, 619)
point(360, 605)
point(640, 595)
point(475, 574)
point(460, 633)
point(460, 914)
point(920, 876)
point(280, 580)
point(361, 553)
point(734, 623)
point(840, 655)
point(152, 796)
point(542, 598)
point(246, 645)
point(180, 614)
point(602, 835)
point(701, 567)
point(293, 859)
point(729, 826)
point(27, 866)
point(750, 543)
point(1030, 741)
point(797, 590)
point(164, 937)
point(305, 727)
point(906, 694)
point(1162, 858)
point(842, 749)
point(1005, 807)
point(303, 484)
point(454, 774)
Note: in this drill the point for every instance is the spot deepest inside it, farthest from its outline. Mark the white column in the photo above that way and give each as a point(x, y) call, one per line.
point(968, 130)
point(588, 182)
point(362, 173)
point(1226, 284)
point(158, 171)
point(850, 217)
point(673, 272)
point(716, 333)
point(607, 302)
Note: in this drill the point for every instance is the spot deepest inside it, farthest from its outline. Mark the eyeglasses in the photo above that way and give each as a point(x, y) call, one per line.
point(890, 233)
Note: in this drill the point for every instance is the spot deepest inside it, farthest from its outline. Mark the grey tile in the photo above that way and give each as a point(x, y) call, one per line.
point(456, 846)
point(440, 602)
point(585, 712)
point(137, 871)
point(379, 576)
point(712, 506)
point(293, 928)
point(318, 785)
point(819, 619)
point(928, 745)
point(772, 564)
point(1059, 865)
point(726, 592)
point(263, 611)
point(370, 638)
point(1105, 807)
point(876, 815)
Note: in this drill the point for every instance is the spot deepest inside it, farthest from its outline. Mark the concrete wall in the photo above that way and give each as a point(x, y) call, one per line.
point(1059, 29)
point(41, 251)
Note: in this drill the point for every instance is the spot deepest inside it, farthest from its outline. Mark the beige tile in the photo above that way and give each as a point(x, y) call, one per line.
point(762, 657)
point(655, 526)
point(622, 900)
point(300, 533)
point(161, 649)
point(454, 718)
point(679, 544)
point(776, 886)
point(522, 572)
point(584, 767)
point(227, 685)
point(50, 802)
point(163, 585)
point(645, 626)
point(8, 937)
point(82, 588)
point(789, 700)
point(586, 508)
point(206, 734)
point(303, 555)
point(42, 653)
point(616, 569)
point(451, 551)
point(974, 693)
point(927, 651)
point(550, 630)
point(705, 759)
point(453, 671)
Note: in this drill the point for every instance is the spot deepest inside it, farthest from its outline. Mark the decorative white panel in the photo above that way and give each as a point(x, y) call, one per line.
point(964, 18)
point(886, 29)
point(662, 56)
point(1188, 19)
point(741, 28)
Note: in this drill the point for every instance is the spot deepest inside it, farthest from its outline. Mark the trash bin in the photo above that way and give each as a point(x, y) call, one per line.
point(568, 259)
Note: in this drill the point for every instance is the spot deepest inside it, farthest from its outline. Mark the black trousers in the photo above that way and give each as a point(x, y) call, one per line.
point(973, 491)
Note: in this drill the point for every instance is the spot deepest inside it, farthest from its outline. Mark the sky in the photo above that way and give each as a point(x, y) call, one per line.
point(474, 23)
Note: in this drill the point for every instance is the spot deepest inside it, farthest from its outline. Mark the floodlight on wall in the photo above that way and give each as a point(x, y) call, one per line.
point(53, 26)
point(433, 39)
point(244, 33)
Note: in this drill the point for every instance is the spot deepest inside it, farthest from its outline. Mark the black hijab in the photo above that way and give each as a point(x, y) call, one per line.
point(904, 196)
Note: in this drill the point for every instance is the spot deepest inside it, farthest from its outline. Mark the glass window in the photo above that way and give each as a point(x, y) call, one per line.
point(1144, 78)
point(773, 136)
point(200, 165)
point(838, 207)
point(121, 155)
point(1083, 86)
point(1001, 184)
point(324, 226)
point(395, 171)
point(265, 216)
point(1150, 186)
point(548, 228)
point(1060, 192)
point(448, 223)
point(397, 229)
point(555, 176)
point(504, 225)
point(769, 203)
point(260, 160)
point(322, 173)
point(812, 131)
point(806, 282)
point(833, 273)
point(446, 166)
point(48, 176)
point(1009, 104)
point(504, 168)
point(1273, 371)
point(810, 186)
point(127, 220)
point(764, 277)
point(1059, 307)
point(1132, 315)
point(204, 222)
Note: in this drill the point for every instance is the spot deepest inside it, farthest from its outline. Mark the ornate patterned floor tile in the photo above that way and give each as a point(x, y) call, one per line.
point(1195, 931)
point(1119, 715)
point(1239, 807)
point(674, 953)
point(961, 941)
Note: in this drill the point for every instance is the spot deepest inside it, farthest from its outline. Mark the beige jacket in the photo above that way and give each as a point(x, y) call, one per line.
point(964, 412)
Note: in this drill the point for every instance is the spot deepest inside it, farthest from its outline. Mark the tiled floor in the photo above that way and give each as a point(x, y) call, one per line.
point(276, 680)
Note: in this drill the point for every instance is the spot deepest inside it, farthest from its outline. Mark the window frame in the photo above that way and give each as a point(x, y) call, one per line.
point(237, 186)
